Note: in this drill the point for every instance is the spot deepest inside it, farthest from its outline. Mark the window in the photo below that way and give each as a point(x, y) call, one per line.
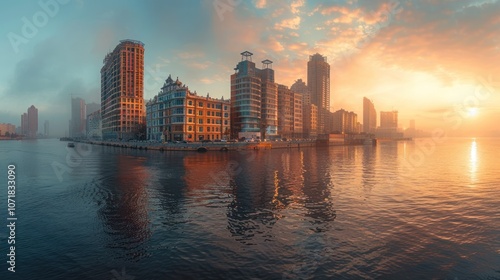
point(200, 113)
point(225, 108)
point(190, 102)
point(190, 128)
point(226, 115)
point(200, 121)
point(208, 129)
point(190, 111)
point(200, 104)
point(200, 129)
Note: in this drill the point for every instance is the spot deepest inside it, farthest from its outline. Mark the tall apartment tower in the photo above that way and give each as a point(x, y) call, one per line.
point(122, 91)
point(46, 129)
point(369, 116)
point(254, 99)
point(78, 116)
point(32, 121)
point(24, 124)
point(318, 81)
point(269, 100)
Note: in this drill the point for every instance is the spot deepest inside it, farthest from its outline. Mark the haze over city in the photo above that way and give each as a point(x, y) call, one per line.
point(434, 61)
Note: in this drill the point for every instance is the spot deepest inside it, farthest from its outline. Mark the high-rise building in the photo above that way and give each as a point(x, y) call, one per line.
point(122, 91)
point(318, 82)
point(389, 120)
point(177, 114)
point(369, 116)
point(78, 115)
point(32, 121)
point(298, 116)
point(300, 87)
point(254, 98)
point(309, 110)
point(289, 113)
point(269, 100)
point(345, 122)
point(94, 125)
point(24, 124)
point(389, 125)
point(46, 128)
point(92, 107)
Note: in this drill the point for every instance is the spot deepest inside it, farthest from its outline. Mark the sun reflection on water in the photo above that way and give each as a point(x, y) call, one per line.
point(473, 160)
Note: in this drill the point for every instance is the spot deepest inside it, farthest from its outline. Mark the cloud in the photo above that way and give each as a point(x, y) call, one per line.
point(260, 4)
point(190, 54)
point(291, 23)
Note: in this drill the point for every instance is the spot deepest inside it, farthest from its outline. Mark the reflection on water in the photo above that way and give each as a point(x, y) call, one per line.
point(123, 206)
point(473, 161)
point(322, 213)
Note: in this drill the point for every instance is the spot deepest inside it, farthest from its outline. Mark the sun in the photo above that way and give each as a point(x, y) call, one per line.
point(472, 112)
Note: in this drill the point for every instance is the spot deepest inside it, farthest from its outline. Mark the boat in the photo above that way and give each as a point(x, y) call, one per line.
point(71, 145)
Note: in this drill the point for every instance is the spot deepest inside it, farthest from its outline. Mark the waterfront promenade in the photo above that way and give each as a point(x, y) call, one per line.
point(204, 147)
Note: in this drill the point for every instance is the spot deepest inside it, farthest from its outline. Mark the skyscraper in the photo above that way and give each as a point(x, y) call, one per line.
point(122, 91)
point(78, 115)
point(32, 121)
point(24, 124)
point(318, 82)
point(389, 120)
point(254, 98)
point(369, 116)
point(46, 128)
point(309, 111)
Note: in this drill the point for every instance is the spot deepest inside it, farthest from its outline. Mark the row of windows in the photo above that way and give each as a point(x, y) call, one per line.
point(180, 119)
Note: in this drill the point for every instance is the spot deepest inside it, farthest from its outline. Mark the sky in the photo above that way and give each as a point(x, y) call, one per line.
point(434, 61)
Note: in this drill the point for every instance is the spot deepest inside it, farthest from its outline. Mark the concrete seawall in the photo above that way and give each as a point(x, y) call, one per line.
point(204, 147)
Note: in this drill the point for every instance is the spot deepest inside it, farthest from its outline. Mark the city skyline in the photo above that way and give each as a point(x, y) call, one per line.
point(435, 77)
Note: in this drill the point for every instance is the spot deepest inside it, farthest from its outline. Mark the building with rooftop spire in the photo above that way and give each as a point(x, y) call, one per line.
point(177, 114)
point(254, 99)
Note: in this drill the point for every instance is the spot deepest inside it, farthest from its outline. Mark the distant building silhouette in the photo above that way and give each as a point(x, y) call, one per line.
point(389, 125)
point(24, 124)
point(369, 116)
point(122, 91)
point(7, 129)
point(345, 122)
point(78, 115)
point(32, 122)
point(46, 132)
point(94, 125)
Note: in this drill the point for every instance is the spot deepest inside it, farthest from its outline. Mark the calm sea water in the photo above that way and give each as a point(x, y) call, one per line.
point(400, 210)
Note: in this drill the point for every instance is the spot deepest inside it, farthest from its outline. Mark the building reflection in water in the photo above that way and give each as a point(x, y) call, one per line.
point(124, 206)
point(317, 189)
